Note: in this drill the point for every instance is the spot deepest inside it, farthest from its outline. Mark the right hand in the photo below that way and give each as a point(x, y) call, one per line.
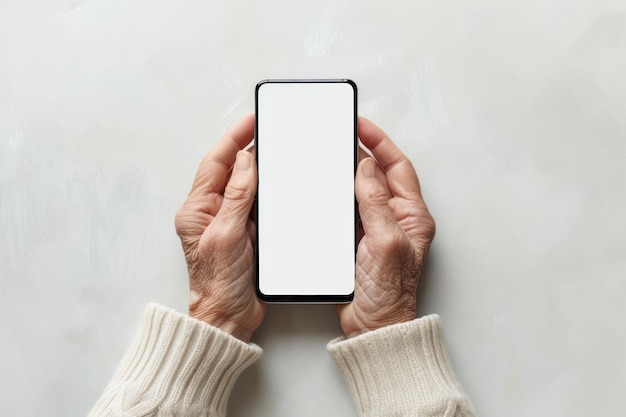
point(397, 230)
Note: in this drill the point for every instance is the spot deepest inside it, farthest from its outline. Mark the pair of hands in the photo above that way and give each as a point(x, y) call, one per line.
point(218, 236)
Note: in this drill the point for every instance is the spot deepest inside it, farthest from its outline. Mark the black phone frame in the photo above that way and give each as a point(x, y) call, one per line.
point(299, 298)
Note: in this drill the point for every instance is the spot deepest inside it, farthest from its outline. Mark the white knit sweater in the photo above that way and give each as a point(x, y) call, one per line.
point(179, 366)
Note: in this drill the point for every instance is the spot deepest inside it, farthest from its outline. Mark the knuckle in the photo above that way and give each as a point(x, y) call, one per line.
point(377, 197)
point(394, 243)
point(430, 227)
point(418, 221)
point(375, 193)
point(427, 227)
point(181, 221)
point(195, 213)
point(237, 192)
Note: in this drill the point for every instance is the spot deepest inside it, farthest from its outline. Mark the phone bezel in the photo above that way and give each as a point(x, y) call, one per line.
point(299, 298)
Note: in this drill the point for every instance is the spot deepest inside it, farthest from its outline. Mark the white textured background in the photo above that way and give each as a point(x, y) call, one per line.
point(514, 113)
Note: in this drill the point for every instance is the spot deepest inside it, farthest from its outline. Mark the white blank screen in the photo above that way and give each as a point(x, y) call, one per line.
point(305, 144)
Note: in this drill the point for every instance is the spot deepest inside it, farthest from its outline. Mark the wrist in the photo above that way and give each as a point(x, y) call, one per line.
point(206, 312)
point(359, 326)
point(227, 326)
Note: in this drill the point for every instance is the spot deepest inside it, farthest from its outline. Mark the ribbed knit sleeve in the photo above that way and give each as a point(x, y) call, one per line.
point(176, 366)
point(401, 370)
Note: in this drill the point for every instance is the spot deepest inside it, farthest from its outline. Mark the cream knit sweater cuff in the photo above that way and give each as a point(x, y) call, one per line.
point(401, 370)
point(176, 365)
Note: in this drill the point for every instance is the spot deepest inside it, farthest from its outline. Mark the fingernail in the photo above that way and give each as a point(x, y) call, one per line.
point(369, 169)
point(242, 162)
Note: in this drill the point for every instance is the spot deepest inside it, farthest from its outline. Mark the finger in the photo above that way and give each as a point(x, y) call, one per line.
point(212, 174)
point(401, 176)
point(376, 216)
point(239, 192)
point(380, 174)
point(380, 145)
point(249, 148)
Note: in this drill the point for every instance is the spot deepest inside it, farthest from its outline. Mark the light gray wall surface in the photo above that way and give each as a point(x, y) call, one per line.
point(514, 114)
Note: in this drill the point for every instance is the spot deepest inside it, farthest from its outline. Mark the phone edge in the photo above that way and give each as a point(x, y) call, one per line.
point(303, 299)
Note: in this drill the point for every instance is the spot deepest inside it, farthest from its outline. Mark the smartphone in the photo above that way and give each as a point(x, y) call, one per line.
point(306, 150)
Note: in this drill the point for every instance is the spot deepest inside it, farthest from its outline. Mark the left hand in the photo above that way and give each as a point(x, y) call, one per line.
point(218, 236)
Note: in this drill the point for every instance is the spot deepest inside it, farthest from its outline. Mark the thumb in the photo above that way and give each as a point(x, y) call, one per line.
point(239, 192)
point(376, 216)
